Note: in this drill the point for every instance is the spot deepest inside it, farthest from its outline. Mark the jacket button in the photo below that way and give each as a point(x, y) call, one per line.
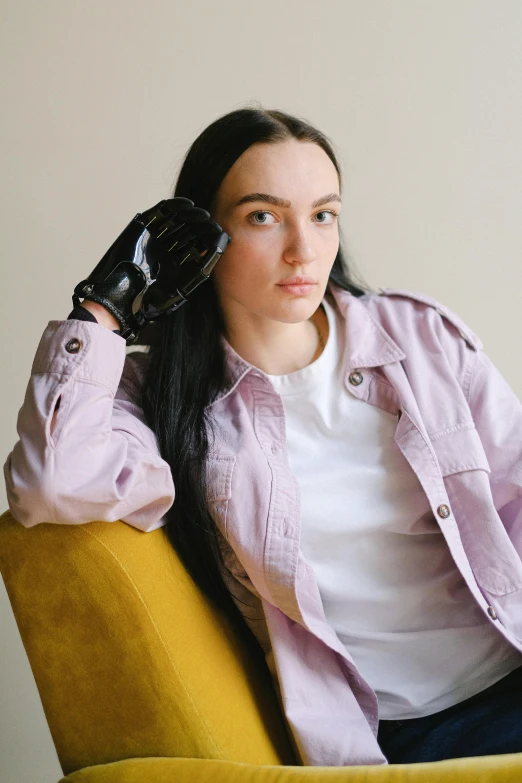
point(443, 511)
point(355, 378)
point(73, 346)
point(492, 613)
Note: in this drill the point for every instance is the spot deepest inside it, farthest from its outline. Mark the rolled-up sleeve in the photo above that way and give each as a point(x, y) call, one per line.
point(101, 461)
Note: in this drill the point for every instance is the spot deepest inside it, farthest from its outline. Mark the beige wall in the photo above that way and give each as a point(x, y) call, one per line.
point(103, 97)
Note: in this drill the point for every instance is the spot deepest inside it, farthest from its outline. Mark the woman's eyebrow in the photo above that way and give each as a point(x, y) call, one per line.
point(281, 202)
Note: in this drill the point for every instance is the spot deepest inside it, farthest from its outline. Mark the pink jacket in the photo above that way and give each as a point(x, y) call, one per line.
point(459, 425)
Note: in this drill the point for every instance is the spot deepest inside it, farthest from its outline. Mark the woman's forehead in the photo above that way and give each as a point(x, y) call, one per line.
point(288, 172)
point(281, 157)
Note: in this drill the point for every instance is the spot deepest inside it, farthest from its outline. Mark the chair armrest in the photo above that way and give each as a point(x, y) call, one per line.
point(129, 658)
point(487, 769)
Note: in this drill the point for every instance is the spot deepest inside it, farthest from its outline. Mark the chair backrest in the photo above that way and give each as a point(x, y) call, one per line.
point(128, 657)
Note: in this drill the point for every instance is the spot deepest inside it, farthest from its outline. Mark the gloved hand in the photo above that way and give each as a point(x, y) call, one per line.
point(154, 265)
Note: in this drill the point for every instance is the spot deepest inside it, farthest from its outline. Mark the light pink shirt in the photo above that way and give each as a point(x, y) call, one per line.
point(459, 426)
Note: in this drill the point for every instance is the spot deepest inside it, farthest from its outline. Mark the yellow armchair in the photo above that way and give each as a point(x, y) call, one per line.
point(141, 680)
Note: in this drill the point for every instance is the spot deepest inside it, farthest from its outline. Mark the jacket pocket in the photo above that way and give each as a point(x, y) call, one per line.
point(492, 556)
point(459, 448)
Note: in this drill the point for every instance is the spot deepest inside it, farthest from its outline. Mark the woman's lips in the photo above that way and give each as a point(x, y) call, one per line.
point(298, 289)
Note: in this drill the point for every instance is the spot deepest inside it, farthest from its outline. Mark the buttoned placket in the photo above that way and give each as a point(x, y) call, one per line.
point(293, 595)
point(282, 537)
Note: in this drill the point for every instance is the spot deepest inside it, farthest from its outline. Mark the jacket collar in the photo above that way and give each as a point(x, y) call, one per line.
point(368, 344)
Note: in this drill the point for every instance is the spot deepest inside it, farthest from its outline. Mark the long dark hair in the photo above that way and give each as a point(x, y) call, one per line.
point(186, 366)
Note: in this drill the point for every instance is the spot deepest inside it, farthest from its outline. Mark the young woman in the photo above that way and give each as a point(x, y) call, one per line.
point(338, 467)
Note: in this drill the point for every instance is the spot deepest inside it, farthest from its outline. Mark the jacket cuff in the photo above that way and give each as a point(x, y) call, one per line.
point(82, 349)
point(82, 314)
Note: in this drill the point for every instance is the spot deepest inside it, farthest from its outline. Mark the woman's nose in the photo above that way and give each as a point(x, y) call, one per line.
point(299, 248)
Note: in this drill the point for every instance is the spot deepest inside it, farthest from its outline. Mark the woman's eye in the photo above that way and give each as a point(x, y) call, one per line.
point(324, 213)
point(330, 212)
point(255, 214)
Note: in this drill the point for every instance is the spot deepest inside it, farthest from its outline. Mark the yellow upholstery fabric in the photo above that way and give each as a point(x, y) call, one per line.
point(141, 680)
point(488, 769)
point(128, 658)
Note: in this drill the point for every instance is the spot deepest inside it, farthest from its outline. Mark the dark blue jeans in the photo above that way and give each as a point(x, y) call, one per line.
point(487, 724)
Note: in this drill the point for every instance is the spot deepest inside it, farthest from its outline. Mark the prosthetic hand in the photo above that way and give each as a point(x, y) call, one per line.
point(155, 264)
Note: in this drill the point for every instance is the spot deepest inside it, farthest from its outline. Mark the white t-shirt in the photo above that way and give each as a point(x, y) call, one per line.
point(389, 585)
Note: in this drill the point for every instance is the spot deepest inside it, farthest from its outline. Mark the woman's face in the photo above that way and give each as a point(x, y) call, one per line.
point(295, 236)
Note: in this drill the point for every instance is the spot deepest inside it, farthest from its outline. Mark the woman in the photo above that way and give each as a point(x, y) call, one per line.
point(346, 464)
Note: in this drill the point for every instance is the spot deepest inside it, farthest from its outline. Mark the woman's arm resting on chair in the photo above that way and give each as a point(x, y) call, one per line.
point(84, 451)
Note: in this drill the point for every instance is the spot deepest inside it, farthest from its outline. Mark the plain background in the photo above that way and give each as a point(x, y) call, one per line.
point(101, 100)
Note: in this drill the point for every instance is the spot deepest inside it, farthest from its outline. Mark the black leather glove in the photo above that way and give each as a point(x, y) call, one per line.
point(158, 260)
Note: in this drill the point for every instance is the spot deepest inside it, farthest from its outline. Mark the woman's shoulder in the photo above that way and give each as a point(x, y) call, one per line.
point(422, 327)
point(407, 309)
